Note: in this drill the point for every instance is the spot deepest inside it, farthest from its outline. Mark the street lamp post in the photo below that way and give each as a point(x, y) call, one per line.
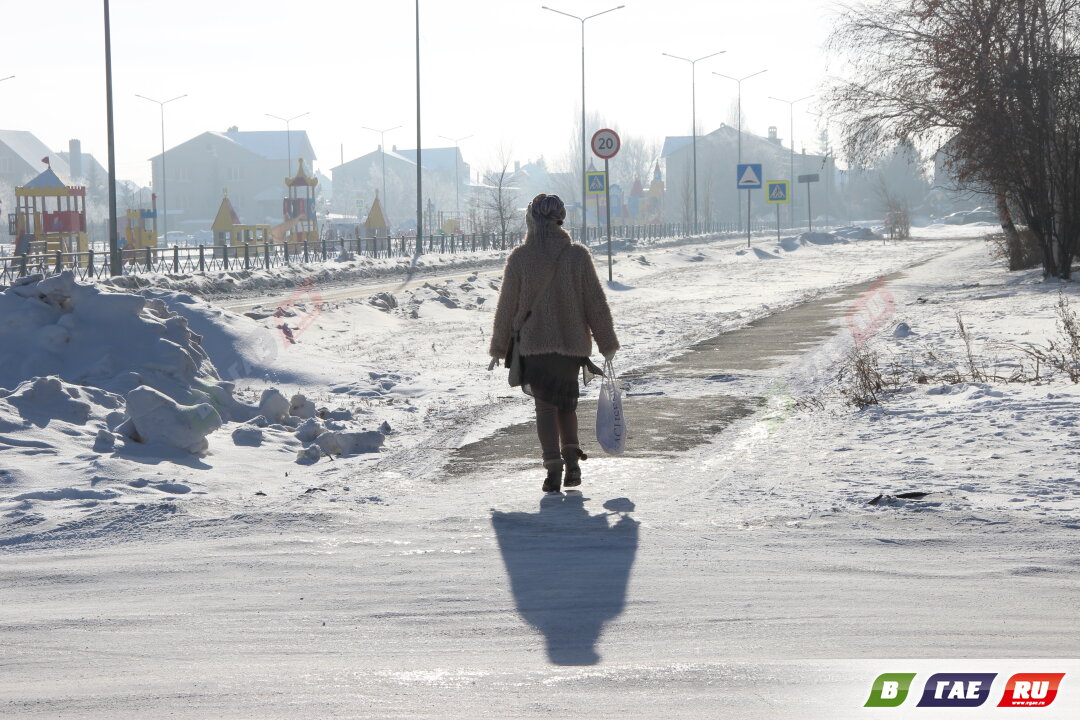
point(288, 135)
point(738, 121)
point(457, 176)
point(110, 129)
point(6, 78)
point(693, 115)
point(382, 152)
point(791, 142)
point(584, 193)
point(164, 181)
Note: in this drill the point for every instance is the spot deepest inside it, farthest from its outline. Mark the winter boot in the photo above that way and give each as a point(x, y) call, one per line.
point(554, 476)
point(572, 454)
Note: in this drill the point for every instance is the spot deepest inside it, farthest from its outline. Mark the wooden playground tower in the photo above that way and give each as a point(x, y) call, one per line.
point(300, 205)
point(38, 228)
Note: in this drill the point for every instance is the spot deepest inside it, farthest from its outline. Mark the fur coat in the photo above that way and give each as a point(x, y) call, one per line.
point(573, 310)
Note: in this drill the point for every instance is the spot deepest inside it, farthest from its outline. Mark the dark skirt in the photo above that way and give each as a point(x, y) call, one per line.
point(553, 378)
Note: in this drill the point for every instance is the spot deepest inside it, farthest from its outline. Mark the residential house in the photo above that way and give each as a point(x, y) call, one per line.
point(251, 165)
point(719, 200)
point(391, 176)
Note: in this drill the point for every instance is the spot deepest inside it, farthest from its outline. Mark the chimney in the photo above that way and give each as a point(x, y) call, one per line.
point(772, 135)
point(517, 166)
point(75, 159)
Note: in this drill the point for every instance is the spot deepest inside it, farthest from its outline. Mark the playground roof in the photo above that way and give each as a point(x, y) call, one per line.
point(375, 219)
point(301, 179)
point(226, 217)
point(47, 179)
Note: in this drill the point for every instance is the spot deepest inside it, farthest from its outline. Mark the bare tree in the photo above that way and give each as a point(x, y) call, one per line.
point(994, 82)
point(501, 199)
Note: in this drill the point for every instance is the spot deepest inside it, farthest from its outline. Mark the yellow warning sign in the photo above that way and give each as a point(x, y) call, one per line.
point(776, 191)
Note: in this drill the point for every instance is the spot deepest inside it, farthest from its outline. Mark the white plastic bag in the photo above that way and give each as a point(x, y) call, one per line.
point(610, 421)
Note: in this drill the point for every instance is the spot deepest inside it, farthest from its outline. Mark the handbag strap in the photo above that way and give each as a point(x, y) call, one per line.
point(543, 289)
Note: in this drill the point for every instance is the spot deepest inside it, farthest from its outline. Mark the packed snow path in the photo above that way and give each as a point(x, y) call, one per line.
point(741, 574)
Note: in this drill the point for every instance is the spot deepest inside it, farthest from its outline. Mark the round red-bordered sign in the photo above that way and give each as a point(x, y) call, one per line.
point(606, 143)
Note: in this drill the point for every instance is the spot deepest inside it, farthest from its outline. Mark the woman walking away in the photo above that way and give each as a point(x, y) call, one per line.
point(552, 306)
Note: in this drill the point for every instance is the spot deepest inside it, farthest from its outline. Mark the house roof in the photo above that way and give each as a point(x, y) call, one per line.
point(88, 160)
point(441, 159)
point(274, 144)
point(377, 155)
point(672, 144)
point(269, 144)
point(31, 150)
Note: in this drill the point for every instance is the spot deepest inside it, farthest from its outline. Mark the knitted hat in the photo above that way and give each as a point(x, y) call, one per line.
point(547, 209)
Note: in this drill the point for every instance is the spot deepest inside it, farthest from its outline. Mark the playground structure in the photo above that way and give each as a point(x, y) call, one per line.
point(39, 229)
point(375, 225)
point(299, 206)
point(229, 231)
point(141, 230)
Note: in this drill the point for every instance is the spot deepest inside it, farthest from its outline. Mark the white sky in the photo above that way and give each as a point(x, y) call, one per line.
point(505, 72)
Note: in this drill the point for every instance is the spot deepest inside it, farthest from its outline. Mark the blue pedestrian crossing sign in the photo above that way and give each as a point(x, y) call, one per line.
point(776, 191)
point(748, 176)
point(596, 182)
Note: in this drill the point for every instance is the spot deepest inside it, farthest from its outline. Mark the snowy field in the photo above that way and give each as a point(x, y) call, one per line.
point(215, 514)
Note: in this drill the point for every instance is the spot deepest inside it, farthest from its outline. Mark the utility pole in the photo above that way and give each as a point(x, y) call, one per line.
point(738, 122)
point(114, 244)
point(791, 142)
point(164, 177)
point(693, 116)
point(584, 190)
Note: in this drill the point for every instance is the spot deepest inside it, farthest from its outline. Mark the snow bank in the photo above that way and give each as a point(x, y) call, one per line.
point(92, 337)
point(120, 366)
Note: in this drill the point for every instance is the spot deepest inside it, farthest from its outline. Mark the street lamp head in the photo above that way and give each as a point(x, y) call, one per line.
point(579, 19)
point(287, 120)
point(791, 102)
point(6, 78)
point(695, 60)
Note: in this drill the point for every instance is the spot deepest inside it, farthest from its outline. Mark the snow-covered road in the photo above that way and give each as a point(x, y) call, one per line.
point(742, 575)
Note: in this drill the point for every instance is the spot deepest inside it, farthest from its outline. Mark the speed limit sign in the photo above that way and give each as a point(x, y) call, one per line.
point(605, 143)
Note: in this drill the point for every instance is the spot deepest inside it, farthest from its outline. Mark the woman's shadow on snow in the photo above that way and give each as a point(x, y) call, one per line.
point(569, 569)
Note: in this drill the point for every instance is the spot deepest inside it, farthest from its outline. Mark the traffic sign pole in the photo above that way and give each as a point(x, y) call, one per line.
point(747, 218)
point(606, 144)
point(777, 222)
point(607, 204)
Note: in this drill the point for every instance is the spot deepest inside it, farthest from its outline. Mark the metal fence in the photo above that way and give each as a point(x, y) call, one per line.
point(254, 256)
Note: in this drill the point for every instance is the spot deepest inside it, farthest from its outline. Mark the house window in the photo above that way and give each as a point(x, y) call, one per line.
point(236, 174)
point(182, 174)
point(5, 165)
